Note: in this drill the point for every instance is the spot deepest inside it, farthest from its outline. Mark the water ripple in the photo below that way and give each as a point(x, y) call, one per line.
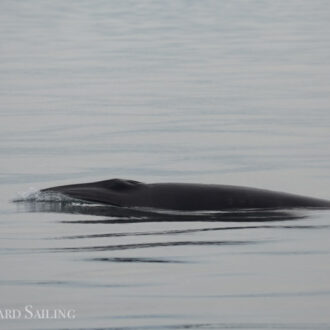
point(149, 245)
point(188, 231)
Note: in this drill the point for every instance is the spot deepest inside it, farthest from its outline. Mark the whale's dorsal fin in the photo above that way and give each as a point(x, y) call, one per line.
point(120, 184)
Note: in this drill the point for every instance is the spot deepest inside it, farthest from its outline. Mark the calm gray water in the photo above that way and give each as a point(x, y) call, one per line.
point(233, 92)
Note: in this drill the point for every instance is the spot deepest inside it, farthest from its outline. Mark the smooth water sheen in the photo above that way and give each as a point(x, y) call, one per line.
point(227, 92)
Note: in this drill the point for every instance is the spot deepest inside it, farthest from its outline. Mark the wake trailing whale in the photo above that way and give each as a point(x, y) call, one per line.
point(184, 196)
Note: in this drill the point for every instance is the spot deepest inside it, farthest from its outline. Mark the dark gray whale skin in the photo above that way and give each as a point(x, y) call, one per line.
point(184, 196)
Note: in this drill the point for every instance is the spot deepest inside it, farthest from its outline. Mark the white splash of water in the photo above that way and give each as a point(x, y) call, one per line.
point(35, 195)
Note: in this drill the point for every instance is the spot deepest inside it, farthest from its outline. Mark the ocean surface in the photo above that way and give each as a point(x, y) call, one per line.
point(227, 92)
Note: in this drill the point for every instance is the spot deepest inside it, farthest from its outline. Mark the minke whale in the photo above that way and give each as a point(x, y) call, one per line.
point(184, 196)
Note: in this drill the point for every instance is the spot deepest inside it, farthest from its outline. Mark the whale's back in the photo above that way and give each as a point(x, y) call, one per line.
point(184, 196)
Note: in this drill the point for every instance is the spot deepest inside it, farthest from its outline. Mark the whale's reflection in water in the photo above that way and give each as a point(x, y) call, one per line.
point(116, 214)
point(211, 228)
